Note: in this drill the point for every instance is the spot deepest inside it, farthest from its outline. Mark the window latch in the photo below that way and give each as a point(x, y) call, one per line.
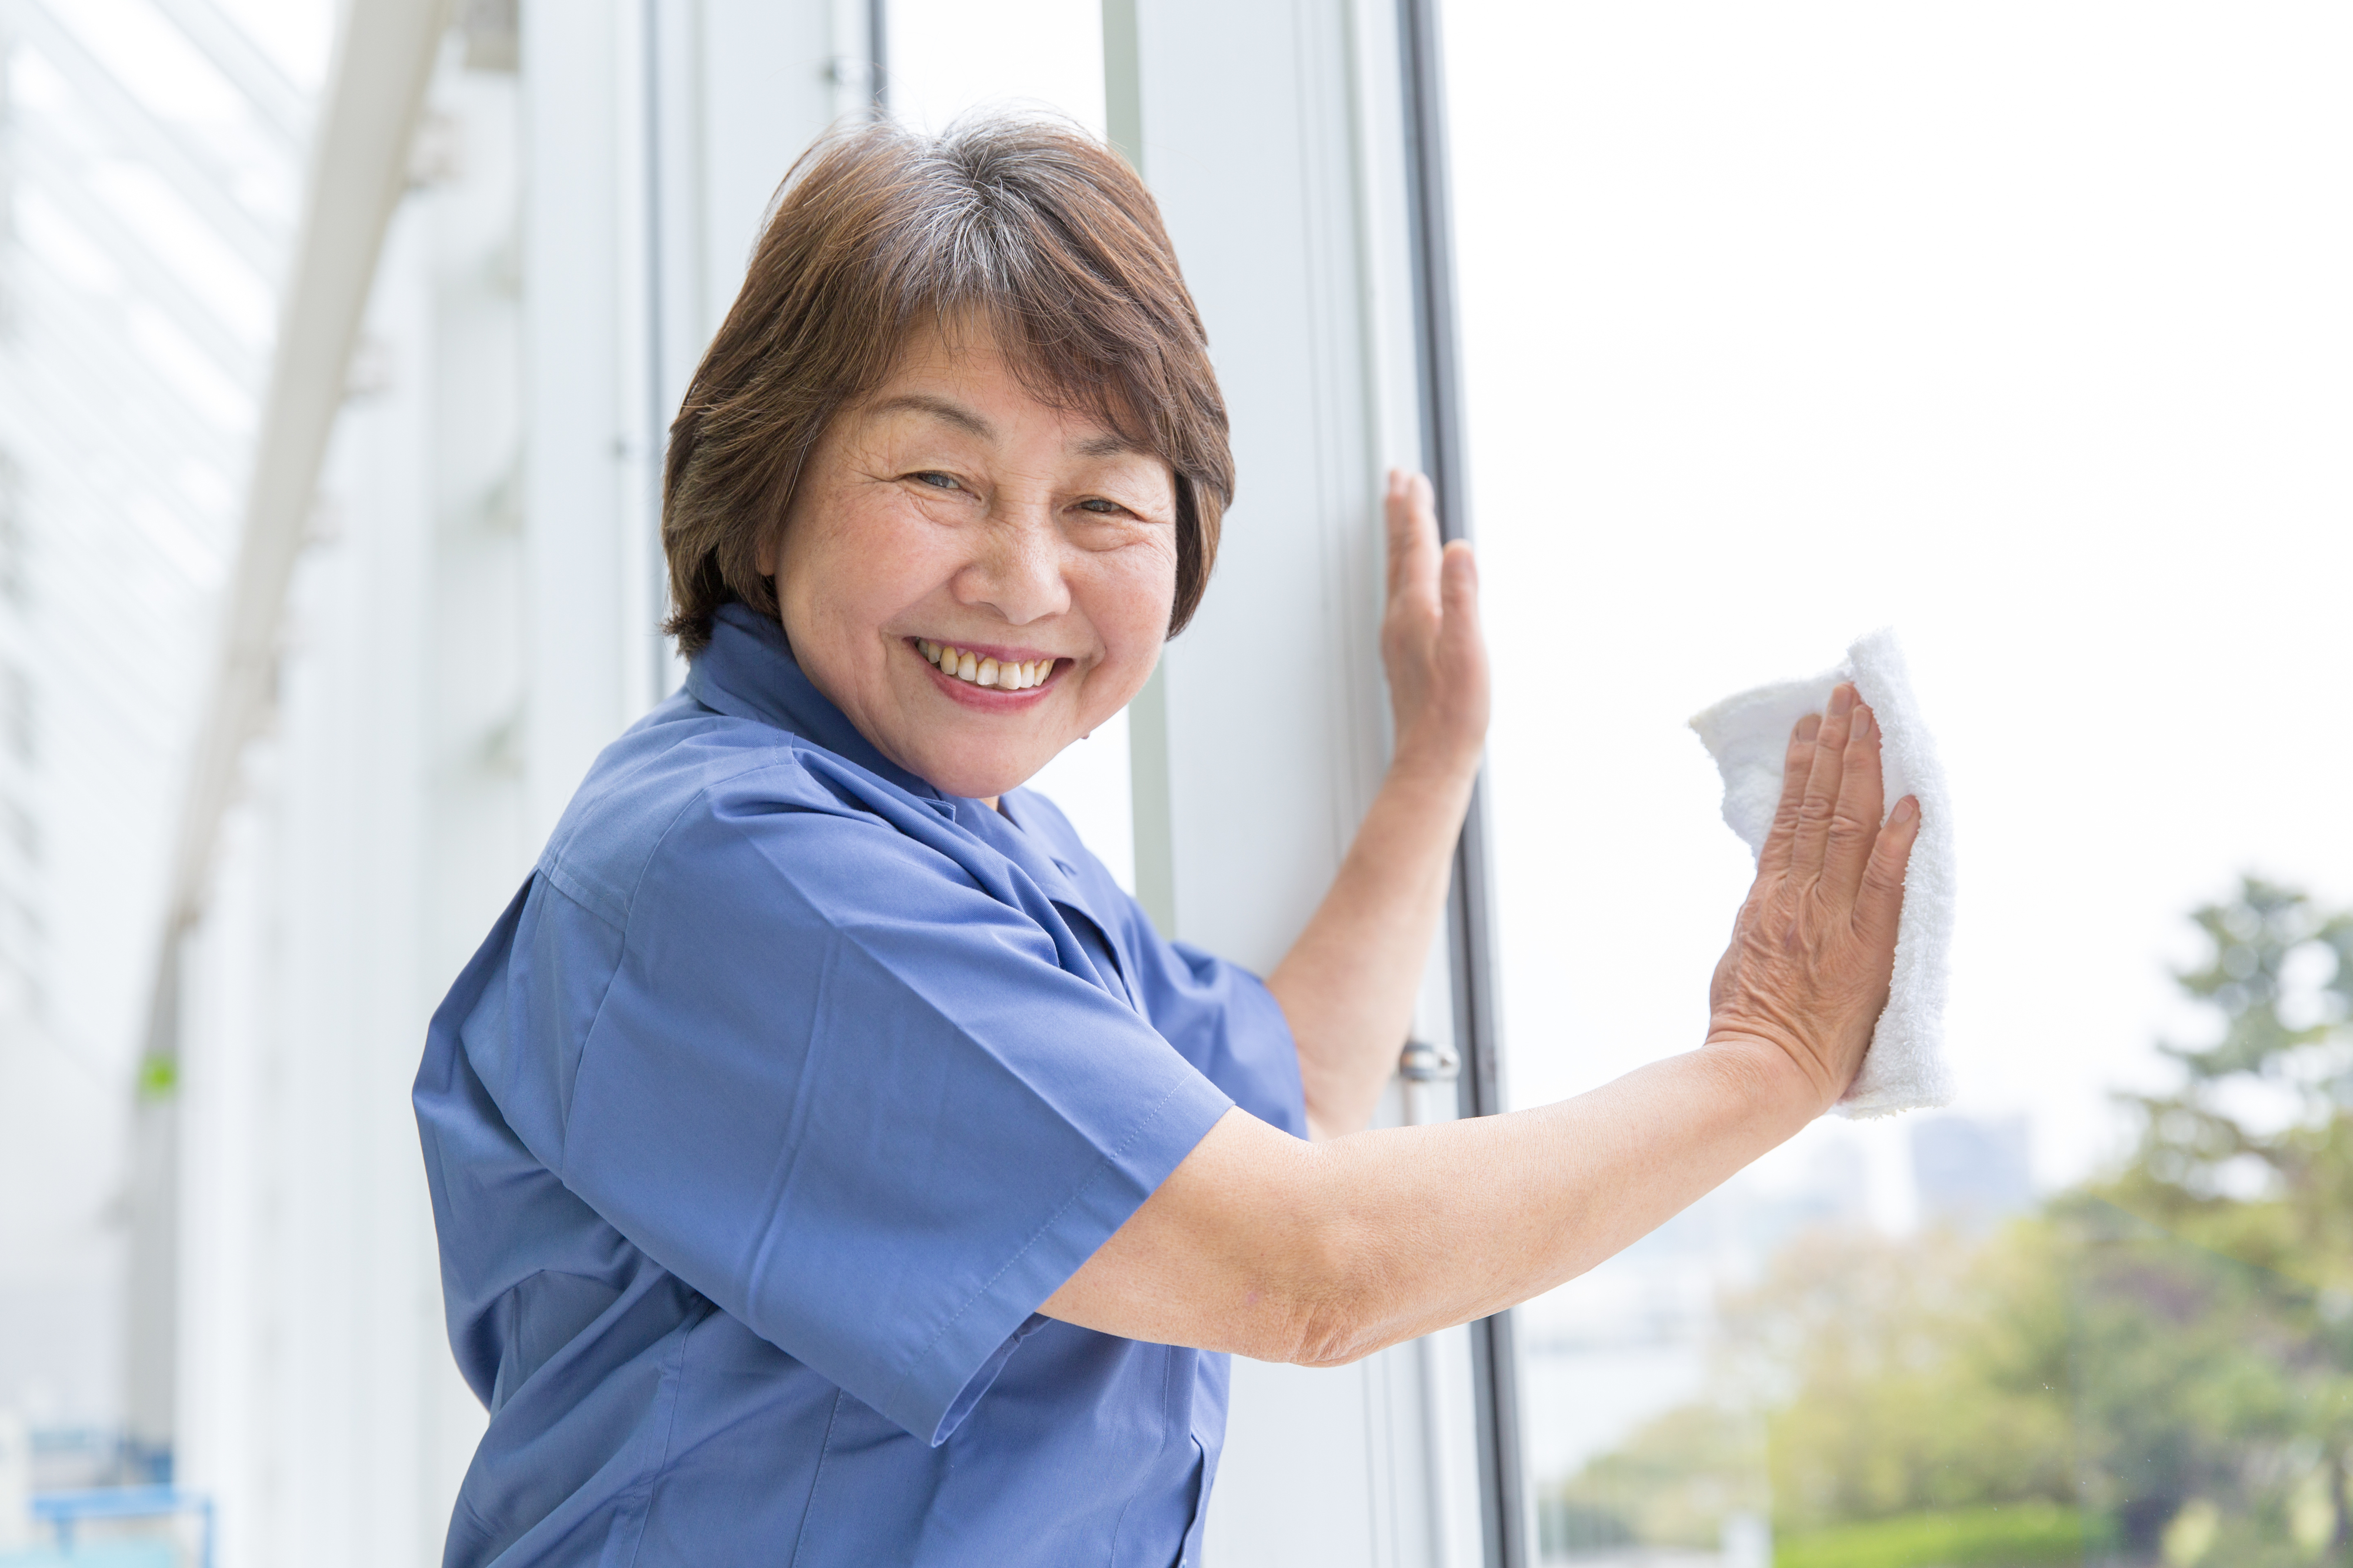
point(1421, 1062)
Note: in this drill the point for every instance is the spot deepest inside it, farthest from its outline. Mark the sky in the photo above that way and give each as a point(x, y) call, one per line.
point(2019, 328)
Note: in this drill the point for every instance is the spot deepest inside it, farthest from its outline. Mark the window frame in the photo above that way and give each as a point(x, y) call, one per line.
point(1470, 916)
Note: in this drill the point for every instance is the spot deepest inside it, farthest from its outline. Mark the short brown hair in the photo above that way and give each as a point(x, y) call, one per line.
point(1024, 224)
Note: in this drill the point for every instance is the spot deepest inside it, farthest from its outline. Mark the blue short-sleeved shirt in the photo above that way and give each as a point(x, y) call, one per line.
point(777, 1101)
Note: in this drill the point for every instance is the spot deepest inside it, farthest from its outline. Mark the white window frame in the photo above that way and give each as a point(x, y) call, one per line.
point(1296, 150)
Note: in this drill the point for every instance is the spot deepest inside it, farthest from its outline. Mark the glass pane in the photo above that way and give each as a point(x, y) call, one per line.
point(2023, 328)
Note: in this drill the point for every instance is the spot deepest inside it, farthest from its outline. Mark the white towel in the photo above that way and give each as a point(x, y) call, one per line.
point(1748, 735)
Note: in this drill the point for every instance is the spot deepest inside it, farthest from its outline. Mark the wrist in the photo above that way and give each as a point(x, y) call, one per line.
point(1771, 1077)
point(1420, 765)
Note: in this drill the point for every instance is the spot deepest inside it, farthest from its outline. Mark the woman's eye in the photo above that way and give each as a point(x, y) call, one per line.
point(1101, 508)
point(937, 481)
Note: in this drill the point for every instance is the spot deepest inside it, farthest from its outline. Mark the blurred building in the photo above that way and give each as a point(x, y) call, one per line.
point(1971, 1172)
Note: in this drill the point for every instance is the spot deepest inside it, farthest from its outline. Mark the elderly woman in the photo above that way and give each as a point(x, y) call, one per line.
point(832, 1164)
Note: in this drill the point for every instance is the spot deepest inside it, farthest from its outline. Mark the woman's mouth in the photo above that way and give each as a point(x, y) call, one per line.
point(980, 670)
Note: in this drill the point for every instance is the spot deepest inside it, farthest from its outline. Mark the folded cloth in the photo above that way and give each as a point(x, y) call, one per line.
point(1748, 735)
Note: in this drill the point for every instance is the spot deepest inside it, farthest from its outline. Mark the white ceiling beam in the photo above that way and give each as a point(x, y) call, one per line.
point(359, 170)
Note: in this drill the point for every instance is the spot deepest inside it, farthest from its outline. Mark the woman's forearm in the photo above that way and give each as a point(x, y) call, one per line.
point(1347, 985)
point(1322, 1254)
point(1535, 1198)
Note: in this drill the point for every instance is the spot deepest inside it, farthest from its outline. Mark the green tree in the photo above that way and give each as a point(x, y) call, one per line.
point(2253, 1154)
point(2216, 1364)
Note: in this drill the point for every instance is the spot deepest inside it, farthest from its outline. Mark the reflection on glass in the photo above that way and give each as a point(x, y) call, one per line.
point(2020, 327)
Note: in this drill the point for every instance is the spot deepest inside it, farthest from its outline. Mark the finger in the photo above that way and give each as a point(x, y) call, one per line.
point(1861, 800)
point(1812, 842)
point(1879, 905)
point(1412, 538)
point(1457, 589)
point(1462, 649)
point(1773, 860)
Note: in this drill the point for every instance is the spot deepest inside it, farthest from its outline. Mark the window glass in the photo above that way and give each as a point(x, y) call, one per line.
point(945, 58)
point(2023, 329)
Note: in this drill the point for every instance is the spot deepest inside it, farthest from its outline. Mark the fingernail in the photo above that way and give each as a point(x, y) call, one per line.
point(1906, 810)
point(1841, 700)
point(1861, 722)
point(1810, 726)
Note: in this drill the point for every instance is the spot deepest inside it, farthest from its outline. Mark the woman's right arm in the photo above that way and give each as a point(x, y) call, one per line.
point(1323, 1253)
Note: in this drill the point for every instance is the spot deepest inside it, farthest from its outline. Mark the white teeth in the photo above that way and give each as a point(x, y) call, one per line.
point(980, 671)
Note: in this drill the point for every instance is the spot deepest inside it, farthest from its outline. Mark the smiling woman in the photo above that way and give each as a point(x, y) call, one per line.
point(830, 1162)
point(976, 577)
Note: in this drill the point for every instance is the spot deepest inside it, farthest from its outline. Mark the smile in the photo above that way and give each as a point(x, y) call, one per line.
point(978, 669)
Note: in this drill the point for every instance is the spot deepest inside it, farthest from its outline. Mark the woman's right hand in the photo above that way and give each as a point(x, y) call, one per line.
point(1320, 1252)
point(1807, 973)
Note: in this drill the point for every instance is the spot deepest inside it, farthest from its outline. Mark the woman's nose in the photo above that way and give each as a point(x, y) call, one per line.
point(1018, 568)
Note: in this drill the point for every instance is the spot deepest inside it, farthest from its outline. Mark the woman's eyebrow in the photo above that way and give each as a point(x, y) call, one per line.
point(946, 410)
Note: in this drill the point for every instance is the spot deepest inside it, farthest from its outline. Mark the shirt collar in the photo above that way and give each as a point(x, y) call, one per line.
point(748, 671)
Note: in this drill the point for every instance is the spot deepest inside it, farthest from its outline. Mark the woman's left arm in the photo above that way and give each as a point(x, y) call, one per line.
point(1347, 985)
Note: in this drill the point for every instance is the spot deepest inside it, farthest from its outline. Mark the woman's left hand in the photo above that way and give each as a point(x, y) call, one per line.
point(1430, 645)
point(1347, 985)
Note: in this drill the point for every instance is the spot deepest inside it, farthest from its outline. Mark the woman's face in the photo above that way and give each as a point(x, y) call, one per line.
point(952, 509)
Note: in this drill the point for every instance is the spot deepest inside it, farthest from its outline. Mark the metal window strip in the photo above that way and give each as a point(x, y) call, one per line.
point(1469, 913)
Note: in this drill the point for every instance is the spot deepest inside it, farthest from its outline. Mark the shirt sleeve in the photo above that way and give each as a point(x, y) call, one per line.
point(1220, 1016)
point(857, 1101)
point(1223, 1020)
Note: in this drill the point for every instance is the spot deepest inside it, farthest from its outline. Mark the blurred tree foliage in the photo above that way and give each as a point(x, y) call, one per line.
point(1671, 1484)
point(2253, 1156)
point(2165, 1355)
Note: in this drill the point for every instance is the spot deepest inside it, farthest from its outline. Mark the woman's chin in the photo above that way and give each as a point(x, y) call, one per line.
point(980, 777)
